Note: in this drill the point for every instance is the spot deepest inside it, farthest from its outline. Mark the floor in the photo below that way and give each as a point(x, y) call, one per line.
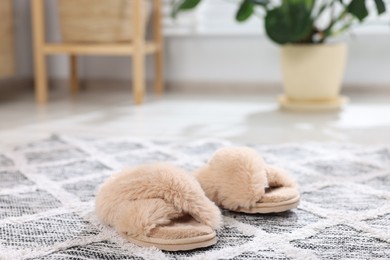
point(249, 117)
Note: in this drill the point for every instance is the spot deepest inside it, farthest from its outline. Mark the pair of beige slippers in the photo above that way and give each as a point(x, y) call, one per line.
point(162, 206)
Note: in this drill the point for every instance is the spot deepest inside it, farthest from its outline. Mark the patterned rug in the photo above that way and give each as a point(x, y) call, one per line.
point(47, 198)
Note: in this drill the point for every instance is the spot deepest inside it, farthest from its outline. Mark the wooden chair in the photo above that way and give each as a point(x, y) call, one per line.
point(7, 59)
point(138, 48)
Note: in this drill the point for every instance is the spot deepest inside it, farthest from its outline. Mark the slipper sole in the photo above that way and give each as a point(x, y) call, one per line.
point(178, 244)
point(265, 208)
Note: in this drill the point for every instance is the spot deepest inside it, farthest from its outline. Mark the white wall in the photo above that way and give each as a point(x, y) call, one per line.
point(245, 58)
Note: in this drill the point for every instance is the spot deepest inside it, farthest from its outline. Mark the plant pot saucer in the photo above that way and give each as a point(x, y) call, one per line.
point(332, 104)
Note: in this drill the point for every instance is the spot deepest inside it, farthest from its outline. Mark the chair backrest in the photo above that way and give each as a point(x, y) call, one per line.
point(99, 20)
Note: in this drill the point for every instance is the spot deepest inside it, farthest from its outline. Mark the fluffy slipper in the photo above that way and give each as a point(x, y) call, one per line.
point(238, 179)
point(158, 205)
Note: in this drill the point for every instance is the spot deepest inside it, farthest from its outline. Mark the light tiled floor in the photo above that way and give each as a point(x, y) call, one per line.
point(243, 117)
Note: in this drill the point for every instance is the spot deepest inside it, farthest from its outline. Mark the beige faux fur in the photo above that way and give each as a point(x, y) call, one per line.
point(229, 180)
point(238, 177)
point(144, 200)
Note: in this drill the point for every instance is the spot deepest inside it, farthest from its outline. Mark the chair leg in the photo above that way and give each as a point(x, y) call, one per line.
point(138, 77)
point(139, 52)
point(159, 73)
point(41, 87)
point(39, 55)
point(74, 75)
point(159, 55)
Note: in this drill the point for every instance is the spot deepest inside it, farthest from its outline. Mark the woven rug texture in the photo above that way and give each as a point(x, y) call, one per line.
point(47, 191)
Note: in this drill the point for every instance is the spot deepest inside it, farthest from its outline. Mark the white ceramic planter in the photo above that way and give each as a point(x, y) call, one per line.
point(313, 72)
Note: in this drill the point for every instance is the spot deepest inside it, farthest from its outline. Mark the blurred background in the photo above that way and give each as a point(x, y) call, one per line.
point(221, 78)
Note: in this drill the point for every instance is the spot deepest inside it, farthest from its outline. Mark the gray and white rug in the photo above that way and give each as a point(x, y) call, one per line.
point(47, 198)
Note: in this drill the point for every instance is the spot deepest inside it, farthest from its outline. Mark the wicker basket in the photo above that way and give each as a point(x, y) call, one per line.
point(7, 62)
point(98, 20)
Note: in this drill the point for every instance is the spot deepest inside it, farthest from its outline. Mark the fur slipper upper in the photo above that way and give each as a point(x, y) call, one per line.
point(158, 205)
point(238, 179)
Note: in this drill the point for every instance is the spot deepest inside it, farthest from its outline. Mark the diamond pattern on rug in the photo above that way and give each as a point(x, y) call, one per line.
point(51, 142)
point(132, 159)
point(287, 153)
point(104, 250)
point(262, 254)
point(344, 242)
point(55, 155)
point(344, 198)
point(342, 167)
point(381, 182)
point(305, 177)
point(337, 181)
point(379, 156)
point(16, 205)
point(71, 170)
point(119, 147)
point(231, 236)
point(45, 231)
point(85, 190)
point(201, 150)
point(277, 223)
point(11, 179)
point(5, 161)
point(381, 223)
point(188, 254)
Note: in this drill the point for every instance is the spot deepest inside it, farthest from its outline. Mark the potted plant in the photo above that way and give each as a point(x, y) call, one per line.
point(312, 67)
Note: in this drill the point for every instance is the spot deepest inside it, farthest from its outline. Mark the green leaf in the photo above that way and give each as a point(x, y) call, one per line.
point(260, 2)
point(380, 6)
point(188, 4)
point(358, 9)
point(183, 5)
point(289, 23)
point(276, 27)
point(307, 3)
point(245, 11)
